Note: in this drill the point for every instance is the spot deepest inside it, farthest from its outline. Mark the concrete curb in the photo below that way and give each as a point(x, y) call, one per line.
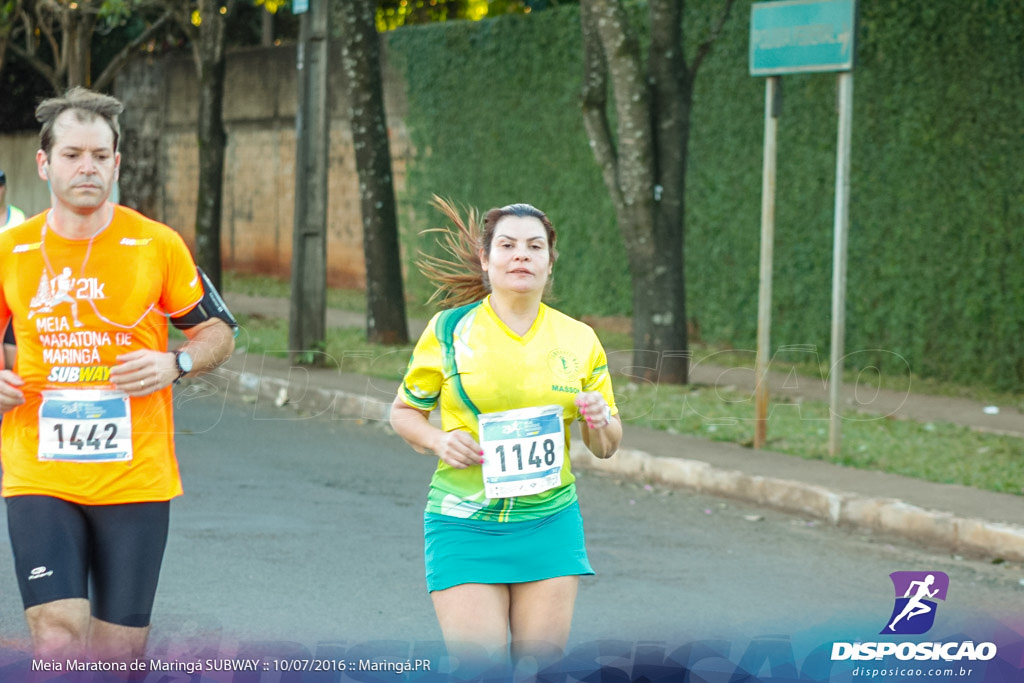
point(299, 390)
point(886, 515)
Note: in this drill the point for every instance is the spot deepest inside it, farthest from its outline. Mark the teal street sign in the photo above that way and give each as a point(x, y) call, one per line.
point(801, 36)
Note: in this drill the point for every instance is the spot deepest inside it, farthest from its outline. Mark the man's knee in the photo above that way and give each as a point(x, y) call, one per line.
point(60, 628)
point(112, 642)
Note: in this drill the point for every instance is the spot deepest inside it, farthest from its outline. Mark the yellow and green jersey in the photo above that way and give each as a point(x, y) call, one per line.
point(468, 362)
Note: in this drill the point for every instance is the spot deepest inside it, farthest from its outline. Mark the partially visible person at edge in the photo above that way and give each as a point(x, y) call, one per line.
point(88, 437)
point(503, 563)
point(10, 215)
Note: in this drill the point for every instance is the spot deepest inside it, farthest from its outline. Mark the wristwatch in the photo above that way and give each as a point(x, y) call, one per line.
point(183, 361)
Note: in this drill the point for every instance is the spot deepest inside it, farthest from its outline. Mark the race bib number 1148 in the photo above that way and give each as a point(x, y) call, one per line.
point(524, 450)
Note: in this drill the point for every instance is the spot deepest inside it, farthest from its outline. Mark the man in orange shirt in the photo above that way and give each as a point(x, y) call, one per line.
point(88, 435)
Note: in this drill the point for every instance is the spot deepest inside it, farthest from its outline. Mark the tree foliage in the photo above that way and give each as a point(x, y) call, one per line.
point(47, 46)
point(392, 14)
point(56, 38)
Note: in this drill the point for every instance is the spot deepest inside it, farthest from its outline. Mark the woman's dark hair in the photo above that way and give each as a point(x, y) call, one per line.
point(459, 277)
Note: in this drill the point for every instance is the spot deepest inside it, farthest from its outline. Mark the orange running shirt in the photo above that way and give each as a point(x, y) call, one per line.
point(76, 305)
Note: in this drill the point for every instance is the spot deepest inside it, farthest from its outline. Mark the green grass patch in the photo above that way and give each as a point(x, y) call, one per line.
point(259, 285)
point(346, 348)
point(939, 451)
point(342, 299)
point(900, 382)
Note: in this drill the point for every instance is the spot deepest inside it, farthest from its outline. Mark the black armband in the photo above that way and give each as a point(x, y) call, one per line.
point(210, 306)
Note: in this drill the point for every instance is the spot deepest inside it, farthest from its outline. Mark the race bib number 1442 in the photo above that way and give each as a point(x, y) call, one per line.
point(85, 425)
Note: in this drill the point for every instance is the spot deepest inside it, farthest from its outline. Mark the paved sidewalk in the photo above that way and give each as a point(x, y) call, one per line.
point(956, 518)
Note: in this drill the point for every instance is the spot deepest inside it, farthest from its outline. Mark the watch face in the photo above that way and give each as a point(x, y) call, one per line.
point(184, 361)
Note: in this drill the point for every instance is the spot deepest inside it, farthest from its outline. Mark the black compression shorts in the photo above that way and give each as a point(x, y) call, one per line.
point(62, 549)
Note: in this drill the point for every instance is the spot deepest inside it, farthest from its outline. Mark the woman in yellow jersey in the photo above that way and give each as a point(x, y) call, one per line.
point(504, 542)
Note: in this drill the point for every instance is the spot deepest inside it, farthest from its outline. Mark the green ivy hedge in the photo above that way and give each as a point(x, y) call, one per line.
point(935, 276)
point(495, 118)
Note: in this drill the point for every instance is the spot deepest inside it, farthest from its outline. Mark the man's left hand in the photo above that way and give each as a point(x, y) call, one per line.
point(142, 372)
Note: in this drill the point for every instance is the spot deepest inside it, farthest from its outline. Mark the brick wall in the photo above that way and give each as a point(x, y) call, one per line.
point(259, 202)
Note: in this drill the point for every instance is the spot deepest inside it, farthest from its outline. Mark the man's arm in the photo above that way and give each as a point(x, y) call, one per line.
point(210, 343)
point(140, 373)
point(11, 395)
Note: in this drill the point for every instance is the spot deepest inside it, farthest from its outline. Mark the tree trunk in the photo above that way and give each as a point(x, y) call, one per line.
point(668, 78)
point(642, 176)
point(212, 139)
point(307, 325)
point(267, 28)
point(644, 164)
point(385, 300)
point(78, 48)
point(141, 124)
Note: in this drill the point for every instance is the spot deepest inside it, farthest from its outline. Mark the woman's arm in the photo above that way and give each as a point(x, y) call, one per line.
point(456, 448)
point(601, 431)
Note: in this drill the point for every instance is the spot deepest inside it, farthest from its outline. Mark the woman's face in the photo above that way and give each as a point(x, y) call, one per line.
point(520, 257)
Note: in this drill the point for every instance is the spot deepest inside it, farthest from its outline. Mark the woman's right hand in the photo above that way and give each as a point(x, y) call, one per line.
point(458, 449)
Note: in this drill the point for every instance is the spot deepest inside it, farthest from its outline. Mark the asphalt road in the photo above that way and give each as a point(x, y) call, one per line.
point(306, 532)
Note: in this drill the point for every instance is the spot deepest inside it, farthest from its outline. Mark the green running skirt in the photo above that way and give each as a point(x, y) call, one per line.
point(458, 551)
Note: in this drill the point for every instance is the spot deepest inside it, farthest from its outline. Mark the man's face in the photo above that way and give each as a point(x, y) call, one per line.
point(3, 194)
point(82, 166)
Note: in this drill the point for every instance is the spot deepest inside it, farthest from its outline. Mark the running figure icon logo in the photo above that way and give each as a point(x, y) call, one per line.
point(916, 593)
point(53, 291)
